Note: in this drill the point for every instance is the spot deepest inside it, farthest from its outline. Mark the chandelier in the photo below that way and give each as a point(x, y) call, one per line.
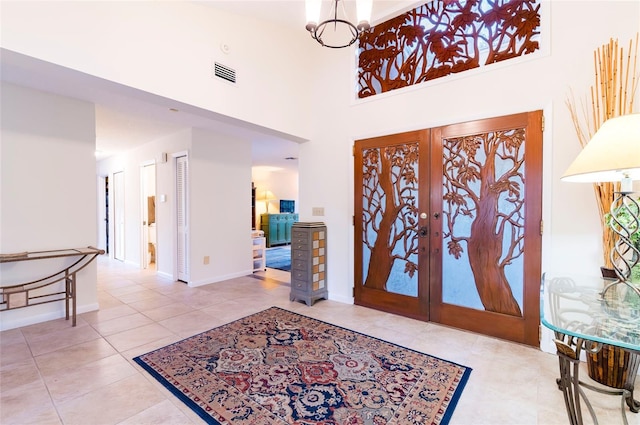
point(337, 31)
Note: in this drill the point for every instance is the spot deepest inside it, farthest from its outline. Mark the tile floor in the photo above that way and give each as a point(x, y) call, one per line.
point(52, 373)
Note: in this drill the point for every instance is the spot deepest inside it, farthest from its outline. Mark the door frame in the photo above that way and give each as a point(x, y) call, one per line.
point(144, 232)
point(118, 189)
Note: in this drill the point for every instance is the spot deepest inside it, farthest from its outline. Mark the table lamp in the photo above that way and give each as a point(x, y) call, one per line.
point(267, 196)
point(613, 155)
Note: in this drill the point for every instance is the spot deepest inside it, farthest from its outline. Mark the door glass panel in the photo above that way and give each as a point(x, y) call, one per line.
point(483, 221)
point(390, 217)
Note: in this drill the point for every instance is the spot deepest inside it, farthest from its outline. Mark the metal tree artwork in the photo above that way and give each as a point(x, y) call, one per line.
point(443, 37)
point(390, 213)
point(484, 183)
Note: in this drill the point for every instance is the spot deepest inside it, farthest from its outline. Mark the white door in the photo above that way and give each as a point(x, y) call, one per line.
point(182, 218)
point(102, 213)
point(118, 214)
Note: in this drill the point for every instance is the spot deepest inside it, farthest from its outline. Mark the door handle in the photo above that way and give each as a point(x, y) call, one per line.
point(423, 231)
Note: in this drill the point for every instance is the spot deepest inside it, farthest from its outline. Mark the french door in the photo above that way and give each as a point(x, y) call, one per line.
point(391, 232)
point(448, 222)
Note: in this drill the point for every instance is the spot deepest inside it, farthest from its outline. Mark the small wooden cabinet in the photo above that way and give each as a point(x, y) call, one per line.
point(277, 228)
point(308, 262)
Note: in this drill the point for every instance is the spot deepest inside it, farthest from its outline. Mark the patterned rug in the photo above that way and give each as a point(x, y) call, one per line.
point(279, 258)
point(279, 367)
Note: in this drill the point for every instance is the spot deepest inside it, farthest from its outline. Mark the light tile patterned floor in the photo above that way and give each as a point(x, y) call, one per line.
point(52, 373)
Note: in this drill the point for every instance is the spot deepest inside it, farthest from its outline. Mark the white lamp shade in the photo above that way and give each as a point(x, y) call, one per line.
point(266, 195)
point(312, 8)
point(363, 10)
point(613, 152)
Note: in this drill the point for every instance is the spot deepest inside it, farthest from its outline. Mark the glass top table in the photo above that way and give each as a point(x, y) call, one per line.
point(573, 305)
point(587, 313)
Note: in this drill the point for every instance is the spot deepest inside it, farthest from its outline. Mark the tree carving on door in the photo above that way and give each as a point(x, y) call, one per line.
point(390, 216)
point(483, 212)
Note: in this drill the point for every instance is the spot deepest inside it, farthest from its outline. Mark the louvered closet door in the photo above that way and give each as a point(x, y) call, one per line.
point(182, 249)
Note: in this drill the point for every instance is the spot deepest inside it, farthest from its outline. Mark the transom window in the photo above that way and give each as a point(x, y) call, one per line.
point(444, 37)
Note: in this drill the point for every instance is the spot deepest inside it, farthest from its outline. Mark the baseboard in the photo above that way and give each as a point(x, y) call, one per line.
point(165, 275)
point(27, 318)
point(340, 299)
point(215, 279)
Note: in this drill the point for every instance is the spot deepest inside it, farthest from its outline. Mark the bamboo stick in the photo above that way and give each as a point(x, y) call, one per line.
point(611, 95)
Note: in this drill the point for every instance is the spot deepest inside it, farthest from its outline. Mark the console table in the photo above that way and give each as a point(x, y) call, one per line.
point(42, 291)
point(582, 319)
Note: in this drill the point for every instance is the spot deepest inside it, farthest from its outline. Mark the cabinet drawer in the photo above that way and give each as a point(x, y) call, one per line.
point(299, 274)
point(298, 284)
point(299, 255)
point(300, 237)
point(300, 265)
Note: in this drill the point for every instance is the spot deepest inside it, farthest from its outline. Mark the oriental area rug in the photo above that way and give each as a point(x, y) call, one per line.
point(279, 367)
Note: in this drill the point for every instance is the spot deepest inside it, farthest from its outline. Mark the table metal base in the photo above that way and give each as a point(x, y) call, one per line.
point(568, 351)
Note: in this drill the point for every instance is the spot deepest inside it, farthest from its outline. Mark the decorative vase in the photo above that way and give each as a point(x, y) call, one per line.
point(610, 366)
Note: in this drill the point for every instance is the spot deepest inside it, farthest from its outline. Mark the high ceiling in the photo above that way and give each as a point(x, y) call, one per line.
point(126, 117)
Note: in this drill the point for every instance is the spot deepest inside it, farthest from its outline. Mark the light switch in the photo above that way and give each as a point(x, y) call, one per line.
point(317, 211)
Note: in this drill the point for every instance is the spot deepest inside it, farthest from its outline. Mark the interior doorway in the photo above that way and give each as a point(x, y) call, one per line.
point(103, 213)
point(148, 207)
point(119, 216)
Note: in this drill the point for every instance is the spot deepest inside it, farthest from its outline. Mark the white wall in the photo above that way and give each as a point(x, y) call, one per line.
point(219, 176)
point(47, 191)
point(168, 48)
point(572, 233)
point(220, 207)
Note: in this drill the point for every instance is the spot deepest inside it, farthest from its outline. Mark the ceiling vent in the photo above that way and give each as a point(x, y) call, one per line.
point(224, 72)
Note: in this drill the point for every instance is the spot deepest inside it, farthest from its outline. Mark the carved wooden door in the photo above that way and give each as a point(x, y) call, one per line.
point(447, 225)
point(391, 253)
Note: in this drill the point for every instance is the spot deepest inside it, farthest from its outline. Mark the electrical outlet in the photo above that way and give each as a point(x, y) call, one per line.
point(317, 211)
point(206, 260)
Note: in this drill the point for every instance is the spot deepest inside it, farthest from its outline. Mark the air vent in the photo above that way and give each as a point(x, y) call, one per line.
point(224, 72)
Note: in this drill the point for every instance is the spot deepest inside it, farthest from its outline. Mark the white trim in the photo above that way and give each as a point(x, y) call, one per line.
point(341, 299)
point(33, 319)
point(180, 153)
point(194, 284)
point(165, 275)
